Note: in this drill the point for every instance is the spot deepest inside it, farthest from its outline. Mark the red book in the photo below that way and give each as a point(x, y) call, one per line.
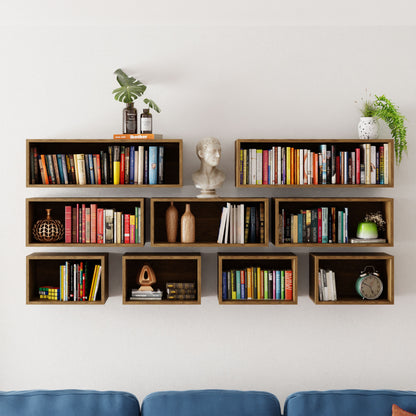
point(315, 169)
point(357, 166)
point(100, 226)
point(74, 225)
point(127, 229)
point(98, 177)
point(132, 229)
point(68, 224)
point(122, 165)
point(83, 227)
point(88, 225)
point(78, 224)
point(319, 225)
point(288, 284)
point(93, 223)
point(265, 167)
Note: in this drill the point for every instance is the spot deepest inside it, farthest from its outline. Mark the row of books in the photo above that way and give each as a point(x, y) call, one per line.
point(174, 291)
point(89, 224)
point(118, 165)
point(241, 224)
point(280, 165)
point(257, 283)
point(79, 281)
point(327, 285)
point(318, 225)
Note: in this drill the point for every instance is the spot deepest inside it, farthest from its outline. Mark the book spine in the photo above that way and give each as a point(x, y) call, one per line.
point(224, 286)
point(122, 164)
point(93, 208)
point(160, 169)
point(68, 224)
point(288, 285)
point(153, 164)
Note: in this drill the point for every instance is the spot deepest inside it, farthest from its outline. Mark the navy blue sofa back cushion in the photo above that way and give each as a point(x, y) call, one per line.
point(68, 403)
point(210, 403)
point(348, 402)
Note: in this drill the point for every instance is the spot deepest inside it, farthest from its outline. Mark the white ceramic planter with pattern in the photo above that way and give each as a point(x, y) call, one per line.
point(368, 128)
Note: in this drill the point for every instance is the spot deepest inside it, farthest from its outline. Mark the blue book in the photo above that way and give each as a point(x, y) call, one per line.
point(238, 283)
point(61, 172)
point(300, 228)
point(131, 167)
point(153, 164)
point(243, 285)
point(64, 168)
point(224, 286)
point(91, 167)
point(278, 283)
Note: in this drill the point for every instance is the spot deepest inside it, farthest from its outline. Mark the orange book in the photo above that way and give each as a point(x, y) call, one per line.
point(288, 166)
point(249, 283)
point(293, 165)
point(258, 283)
point(297, 181)
point(43, 170)
point(288, 284)
point(315, 168)
point(137, 136)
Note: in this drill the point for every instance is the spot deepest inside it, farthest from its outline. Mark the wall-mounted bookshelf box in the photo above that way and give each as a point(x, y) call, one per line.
point(172, 157)
point(284, 234)
point(207, 214)
point(168, 268)
point(269, 261)
point(43, 269)
point(347, 268)
point(36, 210)
point(242, 176)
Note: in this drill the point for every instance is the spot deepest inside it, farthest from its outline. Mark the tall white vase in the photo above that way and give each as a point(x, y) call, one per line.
point(368, 128)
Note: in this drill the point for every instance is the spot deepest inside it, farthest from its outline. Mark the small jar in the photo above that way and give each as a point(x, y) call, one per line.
point(146, 122)
point(130, 119)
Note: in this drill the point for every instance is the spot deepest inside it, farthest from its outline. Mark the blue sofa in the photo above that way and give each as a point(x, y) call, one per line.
point(204, 403)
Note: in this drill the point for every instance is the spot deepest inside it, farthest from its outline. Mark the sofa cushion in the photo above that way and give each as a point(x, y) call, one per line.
point(210, 403)
point(397, 411)
point(348, 402)
point(68, 403)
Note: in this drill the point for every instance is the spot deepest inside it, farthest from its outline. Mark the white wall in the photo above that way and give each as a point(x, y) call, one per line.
point(266, 71)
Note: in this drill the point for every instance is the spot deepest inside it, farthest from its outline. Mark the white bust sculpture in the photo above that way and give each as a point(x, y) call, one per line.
point(208, 177)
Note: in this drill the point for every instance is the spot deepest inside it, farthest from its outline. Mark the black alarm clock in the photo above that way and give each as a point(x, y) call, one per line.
point(369, 285)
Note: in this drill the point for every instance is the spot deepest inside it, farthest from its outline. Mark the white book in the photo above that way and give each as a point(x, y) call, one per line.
point(227, 224)
point(386, 163)
point(253, 166)
point(259, 165)
point(330, 294)
point(301, 173)
point(334, 286)
point(279, 165)
point(140, 166)
point(309, 167)
point(222, 225)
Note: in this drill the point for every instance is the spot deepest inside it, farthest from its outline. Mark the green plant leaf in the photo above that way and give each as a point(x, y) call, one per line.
point(130, 88)
point(152, 104)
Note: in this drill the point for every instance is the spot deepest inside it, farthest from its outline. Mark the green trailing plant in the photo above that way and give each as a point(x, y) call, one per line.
point(382, 108)
point(131, 89)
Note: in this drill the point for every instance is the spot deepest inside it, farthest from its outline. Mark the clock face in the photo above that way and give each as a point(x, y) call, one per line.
point(371, 287)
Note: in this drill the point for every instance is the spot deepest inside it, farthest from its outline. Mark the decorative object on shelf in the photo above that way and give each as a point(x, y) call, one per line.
point(368, 228)
point(369, 285)
point(146, 278)
point(208, 177)
point(171, 219)
point(146, 122)
point(368, 128)
point(382, 108)
point(48, 230)
point(130, 90)
point(188, 226)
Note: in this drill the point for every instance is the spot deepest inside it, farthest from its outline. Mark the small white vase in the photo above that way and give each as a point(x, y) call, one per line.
point(368, 128)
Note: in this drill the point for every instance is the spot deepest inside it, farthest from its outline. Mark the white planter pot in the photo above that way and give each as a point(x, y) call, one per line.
point(368, 128)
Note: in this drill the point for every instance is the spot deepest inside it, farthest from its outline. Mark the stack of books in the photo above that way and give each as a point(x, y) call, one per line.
point(181, 291)
point(137, 294)
point(327, 285)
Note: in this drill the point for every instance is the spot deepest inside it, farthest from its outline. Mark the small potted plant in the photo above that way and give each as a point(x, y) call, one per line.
point(369, 227)
point(129, 91)
point(382, 108)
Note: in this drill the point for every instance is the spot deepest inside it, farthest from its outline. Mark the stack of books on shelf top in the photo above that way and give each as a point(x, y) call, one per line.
point(366, 164)
point(79, 281)
point(180, 291)
point(327, 285)
point(317, 225)
point(118, 165)
point(257, 283)
point(241, 224)
point(141, 136)
point(93, 225)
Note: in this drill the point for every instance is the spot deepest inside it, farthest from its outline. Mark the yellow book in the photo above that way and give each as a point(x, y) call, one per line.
point(249, 283)
point(94, 279)
point(116, 172)
point(258, 283)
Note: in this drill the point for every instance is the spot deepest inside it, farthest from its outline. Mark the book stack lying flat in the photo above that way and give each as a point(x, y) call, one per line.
point(181, 291)
point(137, 294)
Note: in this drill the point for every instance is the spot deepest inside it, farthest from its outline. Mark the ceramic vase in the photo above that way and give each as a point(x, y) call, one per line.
point(188, 226)
point(368, 128)
point(48, 230)
point(367, 230)
point(171, 220)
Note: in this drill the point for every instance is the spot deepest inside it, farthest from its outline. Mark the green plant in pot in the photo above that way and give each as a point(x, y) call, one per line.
point(369, 227)
point(382, 108)
point(129, 91)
